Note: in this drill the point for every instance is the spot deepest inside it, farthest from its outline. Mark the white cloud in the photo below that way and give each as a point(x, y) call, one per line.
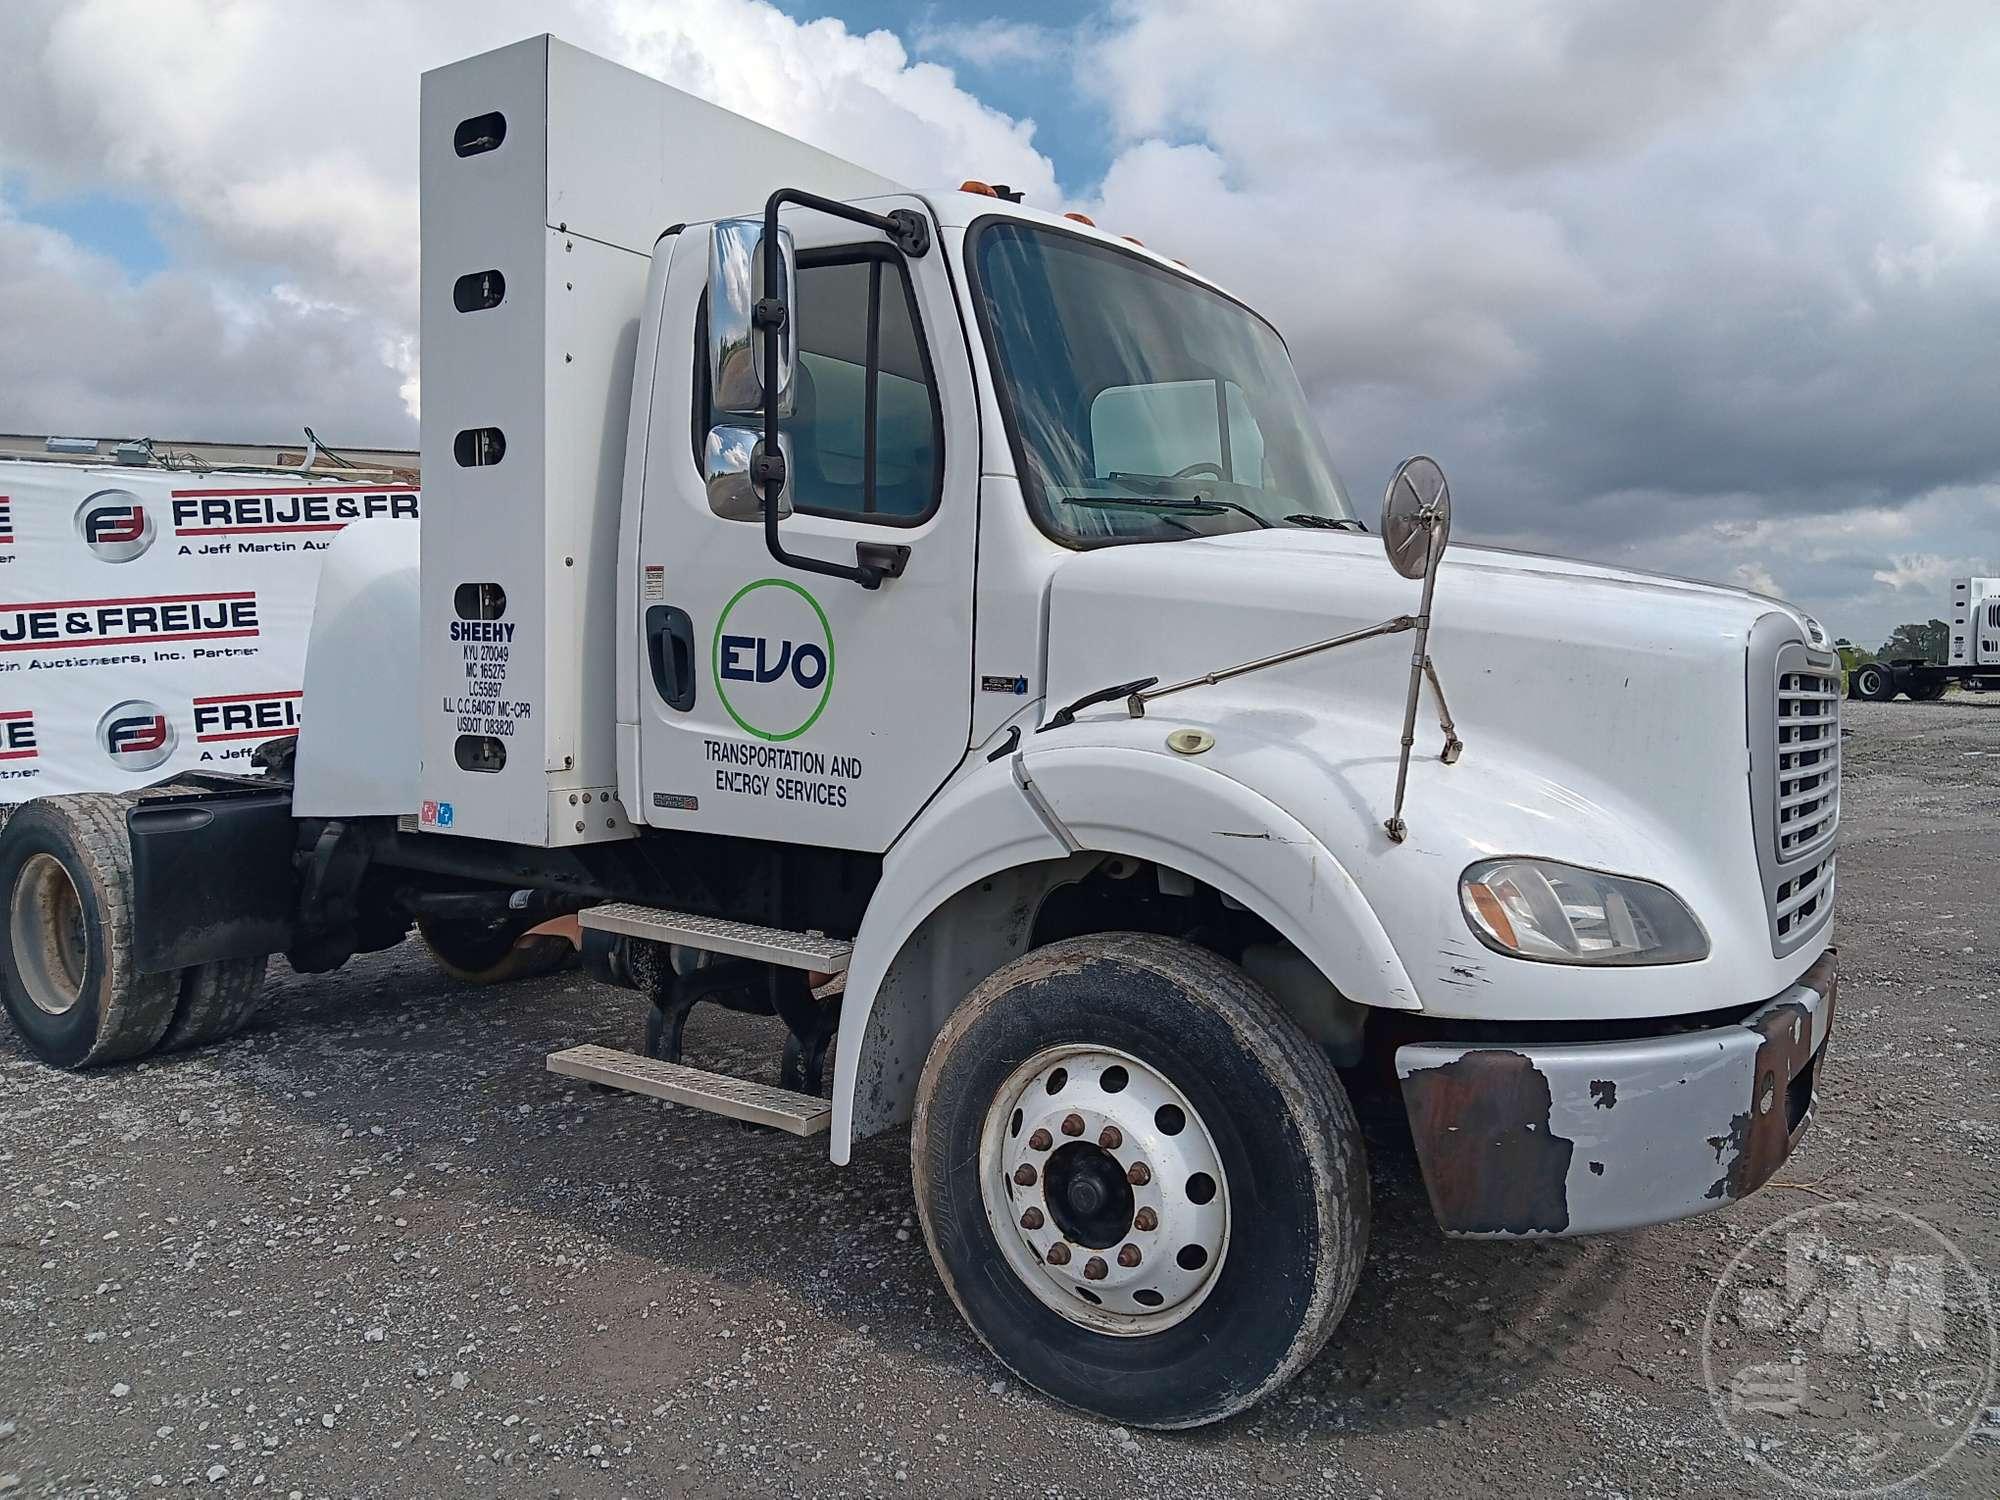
point(1920, 570)
point(991, 42)
point(282, 139)
point(1755, 577)
point(1708, 287)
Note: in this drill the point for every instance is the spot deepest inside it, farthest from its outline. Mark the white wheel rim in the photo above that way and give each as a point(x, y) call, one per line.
point(1085, 1147)
point(45, 926)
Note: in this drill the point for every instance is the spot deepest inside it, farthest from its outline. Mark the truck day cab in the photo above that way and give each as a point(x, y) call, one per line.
point(944, 594)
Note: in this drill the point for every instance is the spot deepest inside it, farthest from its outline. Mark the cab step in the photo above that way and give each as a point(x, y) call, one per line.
point(771, 945)
point(719, 1094)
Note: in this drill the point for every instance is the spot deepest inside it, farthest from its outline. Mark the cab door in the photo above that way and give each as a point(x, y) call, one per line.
point(782, 704)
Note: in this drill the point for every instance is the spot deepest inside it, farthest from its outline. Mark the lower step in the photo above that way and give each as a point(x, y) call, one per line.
point(717, 1093)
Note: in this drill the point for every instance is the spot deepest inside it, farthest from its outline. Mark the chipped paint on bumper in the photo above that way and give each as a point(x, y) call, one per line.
point(1574, 1138)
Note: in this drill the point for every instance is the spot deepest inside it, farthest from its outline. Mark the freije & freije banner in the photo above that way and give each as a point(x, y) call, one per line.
point(155, 620)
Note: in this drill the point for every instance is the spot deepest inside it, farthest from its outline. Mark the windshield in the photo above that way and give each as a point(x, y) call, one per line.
point(1146, 406)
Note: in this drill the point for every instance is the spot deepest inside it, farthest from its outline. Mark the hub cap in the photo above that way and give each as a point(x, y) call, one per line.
point(1104, 1190)
point(45, 926)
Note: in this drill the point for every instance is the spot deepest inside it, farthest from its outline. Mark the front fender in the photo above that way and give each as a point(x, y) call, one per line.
point(960, 890)
point(1177, 812)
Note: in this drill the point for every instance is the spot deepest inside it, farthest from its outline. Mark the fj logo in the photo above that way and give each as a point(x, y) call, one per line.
point(135, 735)
point(115, 526)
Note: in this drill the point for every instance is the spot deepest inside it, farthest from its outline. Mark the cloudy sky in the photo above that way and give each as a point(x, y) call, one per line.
point(1711, 287)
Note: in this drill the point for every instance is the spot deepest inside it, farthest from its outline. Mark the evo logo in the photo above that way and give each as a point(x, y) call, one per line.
point(806, 664)
point(114, 526)
point(135, 735)
point(773, 659)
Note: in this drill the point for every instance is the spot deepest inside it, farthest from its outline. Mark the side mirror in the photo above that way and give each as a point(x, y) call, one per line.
point(1416, 518)
point(726, 460)
point(735, 343)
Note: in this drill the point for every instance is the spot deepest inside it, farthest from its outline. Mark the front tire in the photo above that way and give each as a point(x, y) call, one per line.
point(1141, 1183)
point(66, 964)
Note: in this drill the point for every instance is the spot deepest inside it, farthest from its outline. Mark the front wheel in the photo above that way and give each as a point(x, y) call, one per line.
point(1141, 1183)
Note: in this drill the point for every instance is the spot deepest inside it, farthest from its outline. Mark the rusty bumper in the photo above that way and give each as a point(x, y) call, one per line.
point(1584, 1137)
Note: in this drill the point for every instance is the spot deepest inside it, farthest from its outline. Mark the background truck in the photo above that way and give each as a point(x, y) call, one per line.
point(936, 623)
point(1973, 660)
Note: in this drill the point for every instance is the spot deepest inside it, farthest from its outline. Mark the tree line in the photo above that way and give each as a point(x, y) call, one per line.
point(1929, 641)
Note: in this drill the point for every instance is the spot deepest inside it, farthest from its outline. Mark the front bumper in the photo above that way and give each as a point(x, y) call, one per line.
point(1582, 1137)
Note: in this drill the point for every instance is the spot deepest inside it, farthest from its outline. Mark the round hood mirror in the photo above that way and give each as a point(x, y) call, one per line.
point(1416, 516)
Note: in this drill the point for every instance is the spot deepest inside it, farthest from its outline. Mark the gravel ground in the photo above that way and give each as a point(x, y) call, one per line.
point(371, 1247)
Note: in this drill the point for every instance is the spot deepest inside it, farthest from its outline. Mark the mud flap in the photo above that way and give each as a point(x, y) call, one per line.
point(212, 876)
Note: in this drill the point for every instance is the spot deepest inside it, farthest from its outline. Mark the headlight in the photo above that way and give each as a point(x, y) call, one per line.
point(1536, 908)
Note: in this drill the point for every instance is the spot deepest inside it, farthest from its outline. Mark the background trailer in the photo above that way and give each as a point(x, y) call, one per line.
point(154, 619)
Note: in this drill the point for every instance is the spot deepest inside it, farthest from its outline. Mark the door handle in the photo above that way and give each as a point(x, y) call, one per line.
point(670, 648)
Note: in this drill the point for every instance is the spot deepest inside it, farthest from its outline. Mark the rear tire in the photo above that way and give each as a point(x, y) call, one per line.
point(66, 964)
point(1117, 1072)
point(216, 1000)
point(491, 952)
point(1930, 692)
point(1873, 682)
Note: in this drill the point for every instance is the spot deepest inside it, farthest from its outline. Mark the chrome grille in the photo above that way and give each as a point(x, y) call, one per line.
point(1793, 692)
point(1803, 898)
point(1808, 761)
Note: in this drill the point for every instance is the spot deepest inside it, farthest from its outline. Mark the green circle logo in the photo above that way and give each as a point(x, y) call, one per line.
point(773, 659)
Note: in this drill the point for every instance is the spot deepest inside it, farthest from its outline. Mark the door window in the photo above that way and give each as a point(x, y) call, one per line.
point(866, 434)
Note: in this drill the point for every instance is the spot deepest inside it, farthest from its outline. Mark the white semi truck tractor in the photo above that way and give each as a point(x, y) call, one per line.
point(1972, 656)
point(826, 581)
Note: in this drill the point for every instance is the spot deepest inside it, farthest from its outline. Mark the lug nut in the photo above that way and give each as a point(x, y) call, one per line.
point(1095, 1269)
point(1146, 1219)
point(1072, 1125)
point(1025, 1175)
point(1058, 1254)
point(1128, 1256)
point(1111, 1138)
point(1138, 1174)
point(1032, 1219)
point(1041, 1140)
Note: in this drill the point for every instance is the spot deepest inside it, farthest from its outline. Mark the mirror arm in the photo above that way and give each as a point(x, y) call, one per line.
point(1143, 693)
point(911, 232)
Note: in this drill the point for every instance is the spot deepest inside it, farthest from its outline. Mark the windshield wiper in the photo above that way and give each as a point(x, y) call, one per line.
point(1205, 505)
point(1326, 523)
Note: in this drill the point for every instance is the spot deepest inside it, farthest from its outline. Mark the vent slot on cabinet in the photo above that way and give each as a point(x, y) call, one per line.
point(479, 134)
point(479, 447)
point(476, 291)
point(479, 752)
point(479, 601)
